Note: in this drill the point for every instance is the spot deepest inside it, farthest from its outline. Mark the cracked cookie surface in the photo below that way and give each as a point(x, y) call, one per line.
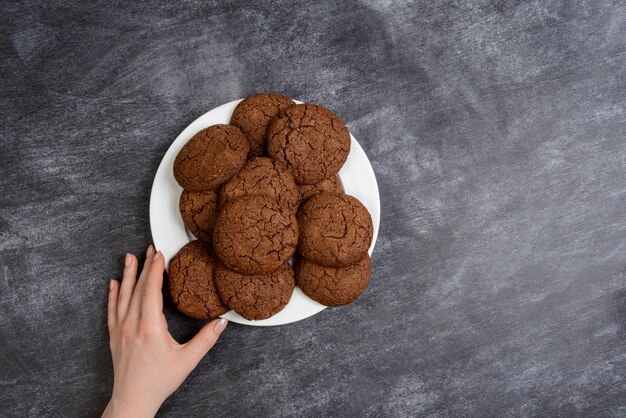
point(335, 230)
point(310, 140)
point(262, 176)
point(199, 212)
point(255, 296)
point(255, 234)
point(191, 282)
point(331, 185)
point(254, 113)
point(211, 157)
point(333, 286)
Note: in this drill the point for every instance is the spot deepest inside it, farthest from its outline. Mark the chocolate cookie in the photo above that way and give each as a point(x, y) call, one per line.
point(199, 212)
point(254, 113)
point(211, 157)
point(262, 177)
point(333, 286)
point(335, 230)
point(255, 234)
point(255, 296)
point(331, 185)
point(310, 140)
point(191, 282)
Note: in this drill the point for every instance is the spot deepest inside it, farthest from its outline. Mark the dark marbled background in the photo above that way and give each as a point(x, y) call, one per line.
point(497, 131)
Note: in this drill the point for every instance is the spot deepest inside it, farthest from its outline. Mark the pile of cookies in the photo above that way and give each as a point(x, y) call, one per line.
point(257, 190)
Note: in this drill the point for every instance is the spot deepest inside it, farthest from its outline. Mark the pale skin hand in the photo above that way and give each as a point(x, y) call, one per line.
point(148, 364)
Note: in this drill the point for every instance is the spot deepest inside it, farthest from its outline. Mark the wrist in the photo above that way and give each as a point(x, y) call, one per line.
point(120, 407)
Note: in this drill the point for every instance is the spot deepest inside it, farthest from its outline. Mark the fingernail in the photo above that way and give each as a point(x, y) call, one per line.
point(149, 252)
point(220, 325)
point(111, 284)
point(128, 260)
point(156, 256)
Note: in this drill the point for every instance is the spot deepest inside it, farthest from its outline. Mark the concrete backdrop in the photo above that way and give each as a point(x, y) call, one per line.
point(497, 133)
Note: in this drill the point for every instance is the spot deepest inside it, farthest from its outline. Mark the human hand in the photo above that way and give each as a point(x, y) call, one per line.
point(148, 364)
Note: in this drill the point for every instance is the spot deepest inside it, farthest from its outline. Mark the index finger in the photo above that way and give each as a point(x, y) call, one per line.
point(152, 299)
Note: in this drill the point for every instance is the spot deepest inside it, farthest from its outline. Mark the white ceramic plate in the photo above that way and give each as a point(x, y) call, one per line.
point(170, 235)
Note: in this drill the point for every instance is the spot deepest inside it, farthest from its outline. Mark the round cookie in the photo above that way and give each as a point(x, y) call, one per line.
point(333, 286)
point(191, 282)
point(255, 234)
point(262, 176)
point(331, 185)
point(254, 113)
point(335, 230)
point(310, 140)
point(211, 157)
point(255, 296)
point(199, 212)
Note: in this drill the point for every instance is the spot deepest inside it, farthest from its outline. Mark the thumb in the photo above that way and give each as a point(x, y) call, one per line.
point(204, 340)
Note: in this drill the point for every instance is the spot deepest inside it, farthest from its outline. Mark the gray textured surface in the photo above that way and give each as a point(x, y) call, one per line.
point(497, 132)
